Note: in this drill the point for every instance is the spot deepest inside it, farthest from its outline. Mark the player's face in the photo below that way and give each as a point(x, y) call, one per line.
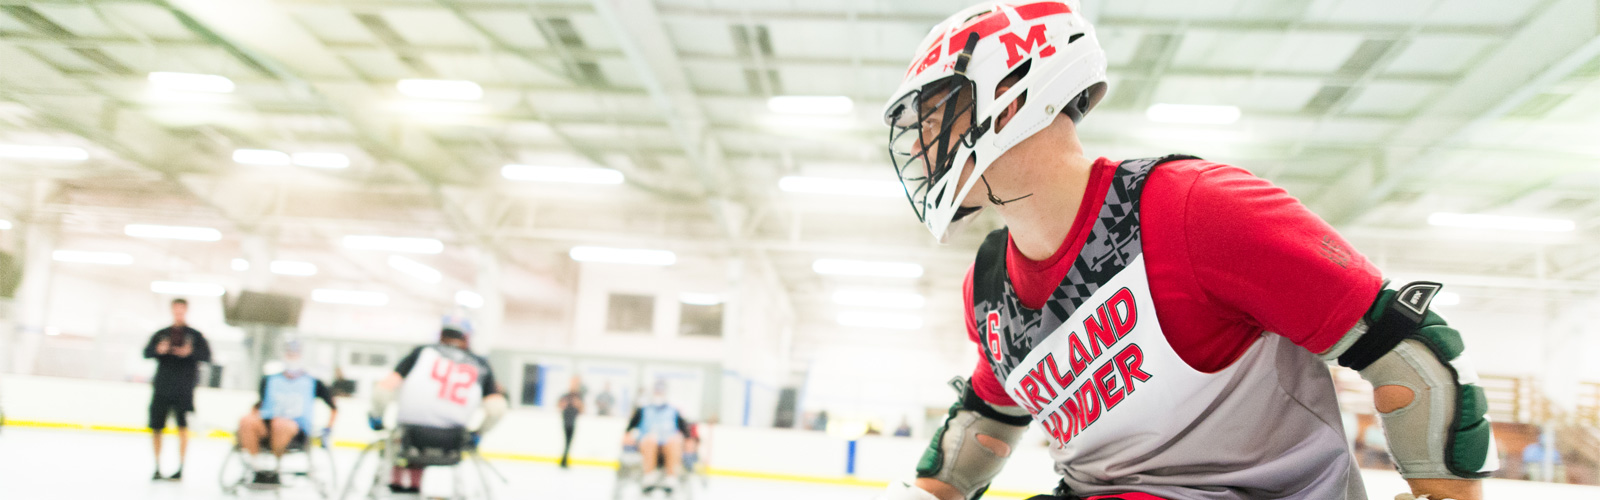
point(946, 117)
point(179, 312)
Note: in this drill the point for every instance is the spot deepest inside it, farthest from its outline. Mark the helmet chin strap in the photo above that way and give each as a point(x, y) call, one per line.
point(996, 199)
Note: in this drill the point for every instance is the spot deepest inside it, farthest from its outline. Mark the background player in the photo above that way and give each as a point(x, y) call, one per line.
point(283, 413)
point(660, 431)
point(1162, 319)
point(178, 351)
point(439, 385)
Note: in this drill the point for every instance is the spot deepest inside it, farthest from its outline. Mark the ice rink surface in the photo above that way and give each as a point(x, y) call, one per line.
point(49, 464)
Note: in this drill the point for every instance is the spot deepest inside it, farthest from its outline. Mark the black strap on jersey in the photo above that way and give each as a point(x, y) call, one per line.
point(971, 401)
point(1401, 319)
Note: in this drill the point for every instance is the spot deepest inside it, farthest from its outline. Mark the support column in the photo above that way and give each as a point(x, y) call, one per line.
point(260, 342)
point(488, 320)
point(32, 304)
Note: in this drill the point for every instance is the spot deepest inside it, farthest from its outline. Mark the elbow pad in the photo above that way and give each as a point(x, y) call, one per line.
point(493, 409)
point(955, 456)
point(1444, 432)
point(381, 398)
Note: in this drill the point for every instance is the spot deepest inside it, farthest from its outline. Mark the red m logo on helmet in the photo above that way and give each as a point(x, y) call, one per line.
point(1017, 48)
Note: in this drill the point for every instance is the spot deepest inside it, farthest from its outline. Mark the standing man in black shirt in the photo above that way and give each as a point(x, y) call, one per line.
point(178, 351)
point(571, 405)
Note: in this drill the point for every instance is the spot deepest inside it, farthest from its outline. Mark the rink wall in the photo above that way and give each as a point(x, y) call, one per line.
point(525, 434)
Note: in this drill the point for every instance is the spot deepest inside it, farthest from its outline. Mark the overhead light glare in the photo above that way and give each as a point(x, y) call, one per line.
point(1502, 222)
point(349, 297)
point(888, 321)
point(63, 153)
point(450, 90)
point(86, 257)
point(293, 268)
point(570, 175)
point(634, 256)
point(191, 82)
point(700, 299)
point(240, 265)
point(183, 288)
point(187, 233)
point(418, 270)
point(870, 268)
point(874, 298)
point(264, 157)
point(5, 224)
point(1196, 114)
point(811, 104)
point(469, 299)
point(321, 160)
point(1446, 299)
point(402, 244)
point(845, 187)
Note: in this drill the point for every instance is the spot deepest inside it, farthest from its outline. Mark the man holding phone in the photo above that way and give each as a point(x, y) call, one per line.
point(178, 351)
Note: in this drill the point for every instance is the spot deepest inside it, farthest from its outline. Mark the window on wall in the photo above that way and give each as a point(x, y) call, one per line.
point(630, 313)
point(698, 320)
point(532, 384)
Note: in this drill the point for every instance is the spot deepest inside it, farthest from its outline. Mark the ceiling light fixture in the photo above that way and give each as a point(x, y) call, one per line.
point(293, 268)
point(469, 299)
point(890, 321)
point(415, 269)
point(570, 175)
point(321, 160)
point(187, 233)
point(811, 104)
point(634, 256)
point(873, 298)
point(870, 268)
point(264, 157)
point(191, 82)
point(64, 153)
point(1501, 222)
point(240, 264)
point(451, 90)
point(1197, 114)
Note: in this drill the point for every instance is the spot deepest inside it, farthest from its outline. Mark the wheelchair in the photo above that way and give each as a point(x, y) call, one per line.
point(630, 476)
point(307, 458)
point(441, 453)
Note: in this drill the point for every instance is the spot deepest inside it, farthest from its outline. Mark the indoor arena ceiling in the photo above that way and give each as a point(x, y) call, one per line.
point(1376, 113)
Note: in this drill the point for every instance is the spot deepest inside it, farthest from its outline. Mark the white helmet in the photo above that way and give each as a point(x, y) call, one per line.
point(1046, 46)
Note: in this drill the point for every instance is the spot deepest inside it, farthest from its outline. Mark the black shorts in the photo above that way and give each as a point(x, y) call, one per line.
point(161, 406)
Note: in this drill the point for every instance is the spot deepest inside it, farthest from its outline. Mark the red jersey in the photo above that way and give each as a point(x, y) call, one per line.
point(1229, 256)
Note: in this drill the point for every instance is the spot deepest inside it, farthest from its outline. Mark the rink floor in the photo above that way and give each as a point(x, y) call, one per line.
point(51, 464)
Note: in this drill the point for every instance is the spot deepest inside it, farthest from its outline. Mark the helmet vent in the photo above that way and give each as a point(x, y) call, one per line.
point(1074, 37)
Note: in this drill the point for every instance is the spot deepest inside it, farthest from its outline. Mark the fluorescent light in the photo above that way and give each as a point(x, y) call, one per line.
point(191, 82)
point(848, 187)
point(1501, 222)
point(321, 160)
point(453, 90)
point(811, 105)
point(293, 268)
point(349, 297)
point(870, 298)
point(572, 175)
point(182, 288)
point(190, 233)
point(241, 265)
point(393, 244)
point(885, 269)
point(83, 257)
point(1193, 114)
point(469, 298)
point(699, 299)
point(891, 321)
point(69, 153)
point(5, 224)
point(415, 269)
point(624, 256)
point(1446, 299)
point(266, 157)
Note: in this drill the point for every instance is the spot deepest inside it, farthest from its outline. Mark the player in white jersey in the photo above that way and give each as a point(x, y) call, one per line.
point(438, 386)
point(1165, 320)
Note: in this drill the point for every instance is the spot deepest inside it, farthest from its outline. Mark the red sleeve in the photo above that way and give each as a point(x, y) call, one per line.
point(1263, 258)
point(983, 380)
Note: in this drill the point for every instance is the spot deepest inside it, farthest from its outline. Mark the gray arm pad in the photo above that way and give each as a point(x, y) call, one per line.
point(1419, 433)
point(380, 400)
point(493, 409)
point(958, 459)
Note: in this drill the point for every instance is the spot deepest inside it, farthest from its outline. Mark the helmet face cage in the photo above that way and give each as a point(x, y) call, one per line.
point(924, 141)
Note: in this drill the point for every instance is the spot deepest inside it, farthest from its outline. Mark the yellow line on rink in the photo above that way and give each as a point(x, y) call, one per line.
point(523, 457)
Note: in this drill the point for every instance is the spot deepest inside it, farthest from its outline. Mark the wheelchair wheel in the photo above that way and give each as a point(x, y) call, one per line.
point(322, 471)
point(235, 471)
point(365, 479)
